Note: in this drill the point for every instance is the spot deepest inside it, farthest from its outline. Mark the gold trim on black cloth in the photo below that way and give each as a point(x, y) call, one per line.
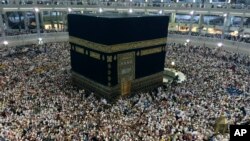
point(109, 59)
point(151, 51)
point(79, 50)
point(117, 47)
point(95, 55)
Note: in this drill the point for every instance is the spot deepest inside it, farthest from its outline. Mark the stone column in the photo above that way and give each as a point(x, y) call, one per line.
point(6, 20)
point(191, 24)
point(41, 18)
point(19, 20)
point(51, 19)
point(225, 25)
point(65, 21)
point(2, 29)
point(173, 15)
point(242, 21)
point(241, 28)
point(26, 21)
point(201, 21)
point(37, 23)
point(57, 19)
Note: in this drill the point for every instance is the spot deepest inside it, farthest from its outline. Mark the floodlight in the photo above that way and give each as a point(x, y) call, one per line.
point(100, 10)
point(160, 12)
point(173, 63)
point(192, 12)
point(36, 9)
point(5, 43)
point(130, 10)
point(40, 41)
point(69, 10)
point(219, 44)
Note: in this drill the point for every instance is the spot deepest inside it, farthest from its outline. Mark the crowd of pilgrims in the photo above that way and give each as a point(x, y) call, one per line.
point(239, 38)
point(39, 103)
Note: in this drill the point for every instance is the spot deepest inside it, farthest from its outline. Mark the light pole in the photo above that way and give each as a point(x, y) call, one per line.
point(219, 46)
point(191, 23)
point(160, 12)
point(5, 43)
point(40, 43)
point(69, 10)
point(100, 10)
point(130, 10)
point(187, 42)
point(173, 65)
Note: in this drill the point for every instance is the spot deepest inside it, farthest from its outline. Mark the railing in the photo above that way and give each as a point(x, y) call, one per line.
point(32, 36)
point(26, 39)
point(63, 36)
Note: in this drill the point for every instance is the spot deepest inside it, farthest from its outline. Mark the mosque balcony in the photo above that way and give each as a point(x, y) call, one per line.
point(166, 7)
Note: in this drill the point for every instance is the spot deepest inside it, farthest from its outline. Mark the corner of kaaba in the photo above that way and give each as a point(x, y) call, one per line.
point(119, 54)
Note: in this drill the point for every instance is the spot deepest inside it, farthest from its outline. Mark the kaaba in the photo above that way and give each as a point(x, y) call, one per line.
point(115, 55)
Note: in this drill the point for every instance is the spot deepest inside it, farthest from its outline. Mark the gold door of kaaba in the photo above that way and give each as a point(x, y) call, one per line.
point(126, 71)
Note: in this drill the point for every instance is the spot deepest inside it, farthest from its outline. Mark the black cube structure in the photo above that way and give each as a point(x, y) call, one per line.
point(118, 54)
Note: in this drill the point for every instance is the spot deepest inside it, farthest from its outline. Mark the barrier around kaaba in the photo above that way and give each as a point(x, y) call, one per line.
point(119, 54)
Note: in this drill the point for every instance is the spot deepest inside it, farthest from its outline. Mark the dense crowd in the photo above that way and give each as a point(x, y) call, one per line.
point(38, 101)
point(239, 38)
